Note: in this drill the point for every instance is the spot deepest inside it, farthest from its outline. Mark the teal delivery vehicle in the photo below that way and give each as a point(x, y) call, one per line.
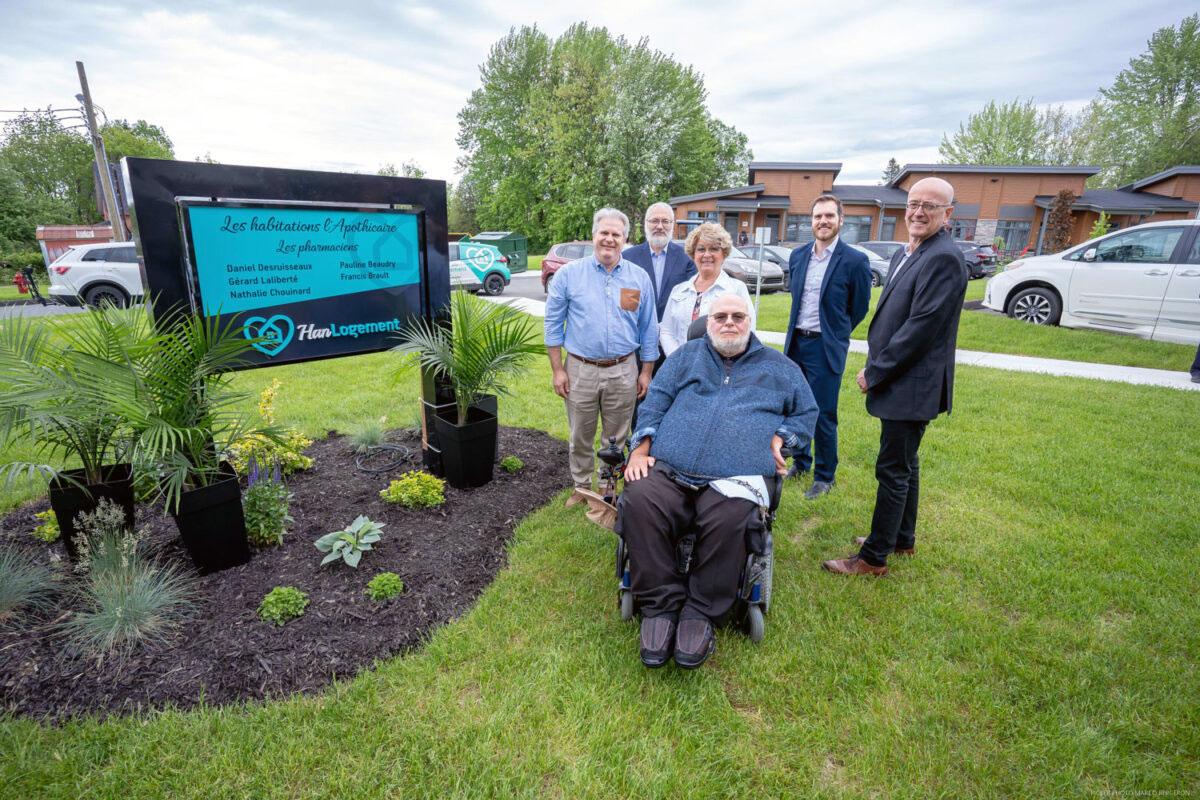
point(478, 266)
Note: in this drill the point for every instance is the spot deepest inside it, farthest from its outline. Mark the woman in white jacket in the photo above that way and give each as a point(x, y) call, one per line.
point(708, 245)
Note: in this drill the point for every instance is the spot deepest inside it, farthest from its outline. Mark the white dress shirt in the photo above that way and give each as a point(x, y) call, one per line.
point(677, 317)
point(809, 318)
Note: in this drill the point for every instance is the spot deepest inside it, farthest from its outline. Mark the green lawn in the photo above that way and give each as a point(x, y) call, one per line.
point(9, 292)
point(990, 332)
point(535, 263)
point(1043, 643)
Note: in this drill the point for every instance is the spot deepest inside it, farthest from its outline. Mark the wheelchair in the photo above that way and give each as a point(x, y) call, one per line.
point(754, 585)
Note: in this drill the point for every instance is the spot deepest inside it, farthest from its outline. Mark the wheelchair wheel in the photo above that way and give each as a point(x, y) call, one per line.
point(768, 575)
point(755, 624)
point(625, 599)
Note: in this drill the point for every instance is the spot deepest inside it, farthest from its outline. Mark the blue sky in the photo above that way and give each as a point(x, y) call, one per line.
point(353, 85)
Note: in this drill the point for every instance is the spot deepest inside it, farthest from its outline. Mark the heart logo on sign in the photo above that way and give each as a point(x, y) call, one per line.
point(275, 333)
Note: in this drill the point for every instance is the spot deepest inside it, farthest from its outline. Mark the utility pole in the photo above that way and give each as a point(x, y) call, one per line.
point(106, 185)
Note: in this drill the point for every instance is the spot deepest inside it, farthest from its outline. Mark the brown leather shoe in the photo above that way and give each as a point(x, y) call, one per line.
point(852, 565)
point(899, 551)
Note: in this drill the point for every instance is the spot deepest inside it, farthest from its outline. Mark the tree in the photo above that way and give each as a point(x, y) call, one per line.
point(1012, 134)
point(559, 128)
point(1100, 226)
point(408, 169)
point(140, 139)
point(1149, 119)
point(890, 172)
point(1058, 226)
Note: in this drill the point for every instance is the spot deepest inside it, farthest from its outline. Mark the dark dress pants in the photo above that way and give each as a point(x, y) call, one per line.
point(1196, 364)
point(655, 512)
point(809, 355)
point(894, 523)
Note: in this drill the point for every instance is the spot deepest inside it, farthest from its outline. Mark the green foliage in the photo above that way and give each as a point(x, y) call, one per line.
point(126, 600)
point(385, 586)
point(1100, 226)
point(562, 127)
point(998, 242)
point(1016, 133)
point(1148, 119)
point(890, 172)
point(407, 169)
point(487, 346)
point(285, 449)
point(50, 398)
point(13, 262)
point(48, 530)
point(511, 464)
point(416, 489)
point(265, 505)
point(351, 542)
point(282, 604)
point(23, 582)
point(368, 434)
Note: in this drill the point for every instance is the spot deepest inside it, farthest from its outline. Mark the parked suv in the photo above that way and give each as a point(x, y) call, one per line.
point(560, 254)
point(95, 274)
point(980, 258)
point(478, 266)
point(1143, 280)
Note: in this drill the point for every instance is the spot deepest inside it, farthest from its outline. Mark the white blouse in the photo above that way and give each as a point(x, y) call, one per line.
point(672, 331)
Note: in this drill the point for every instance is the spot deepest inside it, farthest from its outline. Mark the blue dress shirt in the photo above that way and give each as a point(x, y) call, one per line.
point(589, 314)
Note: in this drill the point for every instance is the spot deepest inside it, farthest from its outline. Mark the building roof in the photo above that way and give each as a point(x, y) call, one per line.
point(909, 169)
point(1182, 169)
point(796, 166)
point(856, 193)
point(687, 198)
point(1121, 201)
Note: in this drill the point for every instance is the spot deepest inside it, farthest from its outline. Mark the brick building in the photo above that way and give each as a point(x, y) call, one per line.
point(1010, 203)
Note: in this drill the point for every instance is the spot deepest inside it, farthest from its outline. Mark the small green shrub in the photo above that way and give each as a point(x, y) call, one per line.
point(282, 604)
point(265, 504)
point(287, 453)
point(368, 435)
point(48, 531)
point(385, 586)
point(23, 582)
point(127, 602)
point(511, 464)
point(416, 489)
point(351, 542)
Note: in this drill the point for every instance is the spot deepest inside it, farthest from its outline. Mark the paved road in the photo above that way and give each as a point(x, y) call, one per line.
point(526, 284)
point(35, 310)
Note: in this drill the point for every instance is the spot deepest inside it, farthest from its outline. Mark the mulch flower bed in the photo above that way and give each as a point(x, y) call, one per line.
point(446, 556)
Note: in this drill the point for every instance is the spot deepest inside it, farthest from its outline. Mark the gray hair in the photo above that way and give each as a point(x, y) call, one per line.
point(653, 206)
point(610, 213)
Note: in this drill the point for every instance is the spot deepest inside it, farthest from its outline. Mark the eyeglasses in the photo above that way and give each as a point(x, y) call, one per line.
point(918, 205)
point(709, 248)
point(660, 221)
point(736, 317)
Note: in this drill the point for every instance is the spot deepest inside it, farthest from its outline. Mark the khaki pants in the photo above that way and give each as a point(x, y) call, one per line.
point(608, 391)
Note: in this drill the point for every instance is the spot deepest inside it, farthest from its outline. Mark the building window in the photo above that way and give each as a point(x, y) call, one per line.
point(887, 231)
point(1014, 232)
point(799, 228)
point(963, 229)
point(856, 229)
point(707, 216)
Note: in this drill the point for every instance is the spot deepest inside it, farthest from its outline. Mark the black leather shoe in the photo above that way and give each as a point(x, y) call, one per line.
point(695, 641)
point(796, 472)
point(658, 640)
point(817, 489)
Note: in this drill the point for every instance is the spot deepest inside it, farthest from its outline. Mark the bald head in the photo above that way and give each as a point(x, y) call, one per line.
point(930, 206)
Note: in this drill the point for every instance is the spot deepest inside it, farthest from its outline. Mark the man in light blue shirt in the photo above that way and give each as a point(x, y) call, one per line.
point(602, 308)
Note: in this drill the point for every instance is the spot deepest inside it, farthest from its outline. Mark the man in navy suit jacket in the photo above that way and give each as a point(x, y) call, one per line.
point(664, 260)
point(909, 377)
point(831, 292)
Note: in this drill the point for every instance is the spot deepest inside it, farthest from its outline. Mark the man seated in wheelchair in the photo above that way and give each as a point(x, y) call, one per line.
point(714, 422)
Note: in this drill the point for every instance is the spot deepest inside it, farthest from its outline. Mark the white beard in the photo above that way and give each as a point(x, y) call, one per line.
point(658, 242)
point(730, 346)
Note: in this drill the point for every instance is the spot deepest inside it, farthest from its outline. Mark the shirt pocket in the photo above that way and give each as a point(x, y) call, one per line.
point(631, 299)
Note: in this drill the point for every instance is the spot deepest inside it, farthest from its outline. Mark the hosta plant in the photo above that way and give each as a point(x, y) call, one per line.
point(351, 542)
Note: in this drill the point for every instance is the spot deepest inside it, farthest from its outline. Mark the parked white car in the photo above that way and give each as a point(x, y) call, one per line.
point(97, 273)
point(1143, 280)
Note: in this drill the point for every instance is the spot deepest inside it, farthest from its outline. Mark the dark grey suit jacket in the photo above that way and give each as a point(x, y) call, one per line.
point(910, 368)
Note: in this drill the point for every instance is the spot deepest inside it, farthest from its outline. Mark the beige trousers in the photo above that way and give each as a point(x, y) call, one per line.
point(610, 392)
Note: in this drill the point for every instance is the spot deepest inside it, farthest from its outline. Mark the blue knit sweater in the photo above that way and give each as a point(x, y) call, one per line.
point(712, 417)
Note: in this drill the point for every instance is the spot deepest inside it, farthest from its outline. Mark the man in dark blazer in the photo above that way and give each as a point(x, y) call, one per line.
point(831, 292)
point(664, 260)
point(909, 377)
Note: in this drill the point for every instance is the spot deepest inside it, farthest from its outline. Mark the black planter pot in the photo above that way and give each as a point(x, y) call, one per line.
point(468, 451)
point(69, 500)
point(212, 524)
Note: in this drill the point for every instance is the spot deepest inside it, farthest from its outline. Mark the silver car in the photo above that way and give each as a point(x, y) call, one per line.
point(779, 255)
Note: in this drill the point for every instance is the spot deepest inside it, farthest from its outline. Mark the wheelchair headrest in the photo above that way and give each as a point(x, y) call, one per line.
point(698, 328)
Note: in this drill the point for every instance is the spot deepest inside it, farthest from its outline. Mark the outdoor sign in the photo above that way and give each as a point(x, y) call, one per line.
point(309, 264)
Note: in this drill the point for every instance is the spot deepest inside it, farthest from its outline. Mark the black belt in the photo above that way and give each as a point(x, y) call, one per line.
point(603, 362)
point(803, 334)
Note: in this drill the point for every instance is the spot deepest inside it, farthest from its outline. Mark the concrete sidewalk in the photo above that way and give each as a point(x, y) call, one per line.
point(975, 358)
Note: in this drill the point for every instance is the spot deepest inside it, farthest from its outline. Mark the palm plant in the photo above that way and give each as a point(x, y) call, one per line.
point(176, 397)
point(45, 400)
point(486, 346)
